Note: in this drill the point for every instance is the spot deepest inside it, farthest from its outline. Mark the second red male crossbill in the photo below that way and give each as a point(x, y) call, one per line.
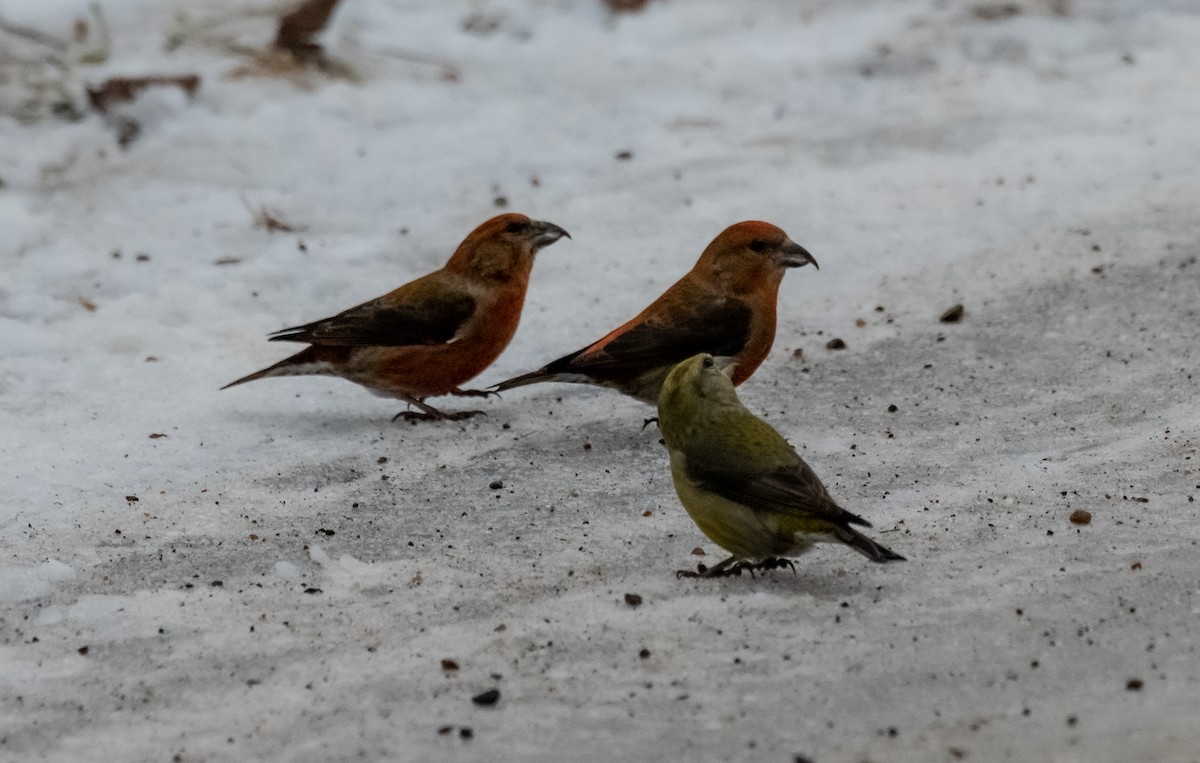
point(429, 336)
point(725, 306)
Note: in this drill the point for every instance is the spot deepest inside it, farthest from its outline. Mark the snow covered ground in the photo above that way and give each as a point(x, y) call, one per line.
point(279, 572)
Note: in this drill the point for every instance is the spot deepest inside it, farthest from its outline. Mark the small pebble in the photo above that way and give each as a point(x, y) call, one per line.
point(487, 698)
point(953, 315)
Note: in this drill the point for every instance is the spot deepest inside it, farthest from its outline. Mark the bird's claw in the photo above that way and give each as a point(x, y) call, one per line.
point(413, 417)
point(704, 571)
point(775, 563)
point(648, 422)
point(736, 568)
point(713, 572)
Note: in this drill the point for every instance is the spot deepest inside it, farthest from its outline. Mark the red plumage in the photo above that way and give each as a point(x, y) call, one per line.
point(433, 334)
point(724, 306)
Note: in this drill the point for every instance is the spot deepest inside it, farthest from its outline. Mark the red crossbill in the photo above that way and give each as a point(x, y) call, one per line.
point(429, 336)
point(725, 306)
point(741, 482)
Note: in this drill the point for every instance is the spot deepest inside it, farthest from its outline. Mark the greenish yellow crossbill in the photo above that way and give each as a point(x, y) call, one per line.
point(741, 482)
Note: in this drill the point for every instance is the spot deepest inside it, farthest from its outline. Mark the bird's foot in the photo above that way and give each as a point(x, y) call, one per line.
point(474, 392)
point(414, 416)
point(732, 566)
point(429, 413)
point(715, 572)
point(648, 422)
point(774, 563)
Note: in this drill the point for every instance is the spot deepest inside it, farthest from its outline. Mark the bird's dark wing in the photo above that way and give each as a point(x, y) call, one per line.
point(433, 319)
point(719, 329)
point(794, 490)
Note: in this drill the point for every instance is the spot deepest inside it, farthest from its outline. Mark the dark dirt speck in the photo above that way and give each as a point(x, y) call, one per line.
point(953, 315)
point(487, 698)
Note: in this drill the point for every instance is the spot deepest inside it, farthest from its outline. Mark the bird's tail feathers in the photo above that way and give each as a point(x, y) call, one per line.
point(533, 377)
point(307, 362)
point(294, 334)
point(876, 552)
point(854, 519)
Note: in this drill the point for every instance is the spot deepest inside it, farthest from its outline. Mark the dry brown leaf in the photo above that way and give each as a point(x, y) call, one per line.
point(271, 221)
point(124, 89)
point(268, 219)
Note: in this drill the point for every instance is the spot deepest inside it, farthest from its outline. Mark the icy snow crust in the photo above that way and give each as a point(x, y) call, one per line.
point(295, 568)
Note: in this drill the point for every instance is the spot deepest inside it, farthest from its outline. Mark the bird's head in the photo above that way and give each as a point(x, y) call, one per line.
point(504, 247)
point(748, 254)
point(694, 385)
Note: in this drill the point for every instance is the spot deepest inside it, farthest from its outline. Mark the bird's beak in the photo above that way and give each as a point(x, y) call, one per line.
point(725, 364)
point(796, 256)
point(544, 234)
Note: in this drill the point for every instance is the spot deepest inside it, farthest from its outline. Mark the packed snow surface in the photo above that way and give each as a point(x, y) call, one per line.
point(278, 571)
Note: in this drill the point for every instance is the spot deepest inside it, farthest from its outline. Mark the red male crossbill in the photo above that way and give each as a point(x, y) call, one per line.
point(725, 306)
point(433, 334)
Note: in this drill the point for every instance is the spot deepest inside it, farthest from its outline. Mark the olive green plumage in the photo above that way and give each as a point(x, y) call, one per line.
point(740, 481)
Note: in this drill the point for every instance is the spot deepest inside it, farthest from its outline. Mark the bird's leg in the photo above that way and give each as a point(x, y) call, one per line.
point(730, 566)
point(429, 413)
point(648, 422)
point(474, 392)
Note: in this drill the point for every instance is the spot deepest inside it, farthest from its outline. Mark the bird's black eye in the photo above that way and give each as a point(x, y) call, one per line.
point(516, 227)
point(707, 362)
point(758, 245)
